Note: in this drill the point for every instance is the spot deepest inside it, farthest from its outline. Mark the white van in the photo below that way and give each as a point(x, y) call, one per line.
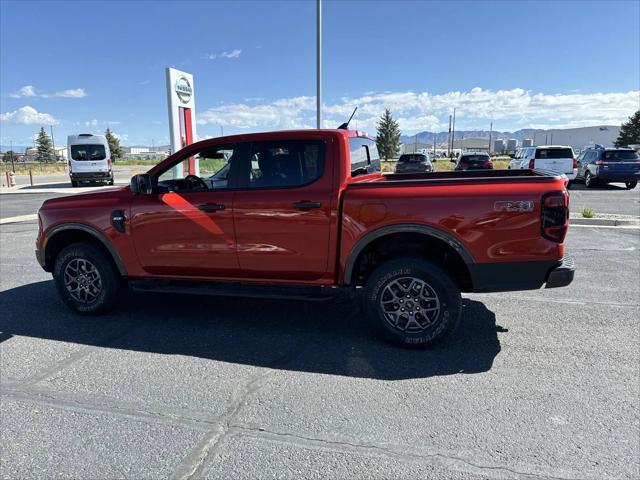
point(557, 158)
point(89, 159)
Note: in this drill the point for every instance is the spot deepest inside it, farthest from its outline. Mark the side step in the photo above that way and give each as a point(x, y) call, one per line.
point(228, 289)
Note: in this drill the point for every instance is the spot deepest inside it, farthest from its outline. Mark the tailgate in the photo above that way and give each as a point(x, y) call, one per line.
point(556, 159)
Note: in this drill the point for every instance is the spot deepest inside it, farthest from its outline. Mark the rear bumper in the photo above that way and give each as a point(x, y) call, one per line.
point(513, 276)
point(618, 177)
point(562, 275)
point(80, 176)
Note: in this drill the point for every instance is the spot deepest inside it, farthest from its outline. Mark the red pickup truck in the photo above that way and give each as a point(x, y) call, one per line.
point(308, 214)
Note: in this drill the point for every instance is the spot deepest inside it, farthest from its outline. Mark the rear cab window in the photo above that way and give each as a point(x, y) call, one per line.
point(364, 156)
point(553, 153)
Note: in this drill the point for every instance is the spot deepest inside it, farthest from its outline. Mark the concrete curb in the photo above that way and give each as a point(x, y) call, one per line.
point(608, 222)
point(19, 218)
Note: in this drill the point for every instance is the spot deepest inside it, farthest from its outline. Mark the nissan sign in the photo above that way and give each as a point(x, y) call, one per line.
point(184, 90)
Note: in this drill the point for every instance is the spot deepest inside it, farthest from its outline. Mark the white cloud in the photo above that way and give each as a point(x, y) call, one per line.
point(71, 93)
point(26, 91)
point(509, 109)
point(28, 116)
point(31, 91)
point(235, 53)
point(91, 123)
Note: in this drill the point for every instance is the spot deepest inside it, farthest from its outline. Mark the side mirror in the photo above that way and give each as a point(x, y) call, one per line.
point(141, 184)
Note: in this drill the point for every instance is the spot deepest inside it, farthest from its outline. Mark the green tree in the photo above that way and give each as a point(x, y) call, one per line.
point(44, 147)
point(114, 144)
point(629, 132)
point(6, 158)
point(388, 137)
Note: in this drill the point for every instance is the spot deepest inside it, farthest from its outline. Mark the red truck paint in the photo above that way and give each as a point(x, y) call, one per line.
point(260, 238)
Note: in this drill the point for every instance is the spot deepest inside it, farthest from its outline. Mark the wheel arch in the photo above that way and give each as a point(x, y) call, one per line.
point(433, 237)
point(62, 235)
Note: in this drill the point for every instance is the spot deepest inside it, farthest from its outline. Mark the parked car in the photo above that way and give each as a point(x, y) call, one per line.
point(516, 161)
point(473, 161)
point(414, 162)
point(604, 165)
point(312, 217)
point(554, 158)
point(89, 159)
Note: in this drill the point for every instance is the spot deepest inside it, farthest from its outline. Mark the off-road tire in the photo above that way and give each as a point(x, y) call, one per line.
point(435, 280)
point(95, 261)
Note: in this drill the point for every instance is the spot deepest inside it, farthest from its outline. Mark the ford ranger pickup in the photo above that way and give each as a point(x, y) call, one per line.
point(307, 214)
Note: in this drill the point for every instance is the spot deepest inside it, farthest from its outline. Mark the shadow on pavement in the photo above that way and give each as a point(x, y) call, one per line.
point(603, 186)
point(329, 337)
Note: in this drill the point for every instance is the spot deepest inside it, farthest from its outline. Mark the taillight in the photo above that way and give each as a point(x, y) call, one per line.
point(598, 162)
point(488, 164)
point(109, 163)
point(575, 163)
point(554, 213)
point(69, 163)
point(532, 163)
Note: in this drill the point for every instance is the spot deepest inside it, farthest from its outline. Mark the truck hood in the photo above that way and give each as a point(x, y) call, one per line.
point(103, 196)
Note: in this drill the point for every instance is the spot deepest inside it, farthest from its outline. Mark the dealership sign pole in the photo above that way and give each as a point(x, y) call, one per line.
point(182, 117)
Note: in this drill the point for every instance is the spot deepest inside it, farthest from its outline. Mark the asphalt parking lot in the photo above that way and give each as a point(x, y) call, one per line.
point(538, 384)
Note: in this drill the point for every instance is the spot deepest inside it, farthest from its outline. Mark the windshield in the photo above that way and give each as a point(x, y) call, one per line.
point(619, 155)
point(88, 152)
point(412, 158)
point(554, 153)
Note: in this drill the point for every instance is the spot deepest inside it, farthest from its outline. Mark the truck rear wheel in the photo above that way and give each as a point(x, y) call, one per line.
point(630, 185)
point(412, 302)
point(86, 279)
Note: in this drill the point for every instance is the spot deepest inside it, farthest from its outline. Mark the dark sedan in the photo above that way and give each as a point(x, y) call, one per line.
point(414, 162)
point(474, 161)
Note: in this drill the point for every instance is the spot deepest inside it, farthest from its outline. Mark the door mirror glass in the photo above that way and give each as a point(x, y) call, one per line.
point(141, 184)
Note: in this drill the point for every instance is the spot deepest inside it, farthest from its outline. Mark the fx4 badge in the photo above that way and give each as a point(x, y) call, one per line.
point(513, 206)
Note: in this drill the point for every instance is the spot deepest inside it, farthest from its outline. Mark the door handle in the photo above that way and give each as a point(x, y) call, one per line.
point(211, 207)
point(306, 205)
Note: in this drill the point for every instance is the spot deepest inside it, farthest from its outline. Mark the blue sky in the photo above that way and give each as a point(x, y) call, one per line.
point(83, 66)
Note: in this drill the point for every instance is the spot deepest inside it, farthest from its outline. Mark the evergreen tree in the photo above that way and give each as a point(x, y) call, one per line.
point(629, 132)
point(44, 147)
point(114, 144)
point(388, 138)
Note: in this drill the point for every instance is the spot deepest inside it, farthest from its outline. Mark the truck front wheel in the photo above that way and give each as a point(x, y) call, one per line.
point(412, 302)
point(86, 279)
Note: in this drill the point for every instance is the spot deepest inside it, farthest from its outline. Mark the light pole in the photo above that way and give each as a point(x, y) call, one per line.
point(318, 63)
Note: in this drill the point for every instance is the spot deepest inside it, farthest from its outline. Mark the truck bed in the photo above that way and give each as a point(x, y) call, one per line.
point(466, 177)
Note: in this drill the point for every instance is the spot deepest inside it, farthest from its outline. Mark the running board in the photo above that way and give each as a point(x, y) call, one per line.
point(225, 289)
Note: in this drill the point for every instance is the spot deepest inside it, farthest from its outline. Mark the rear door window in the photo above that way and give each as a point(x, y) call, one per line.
point(88, 152)
point(286, 163)
point(553, 153)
